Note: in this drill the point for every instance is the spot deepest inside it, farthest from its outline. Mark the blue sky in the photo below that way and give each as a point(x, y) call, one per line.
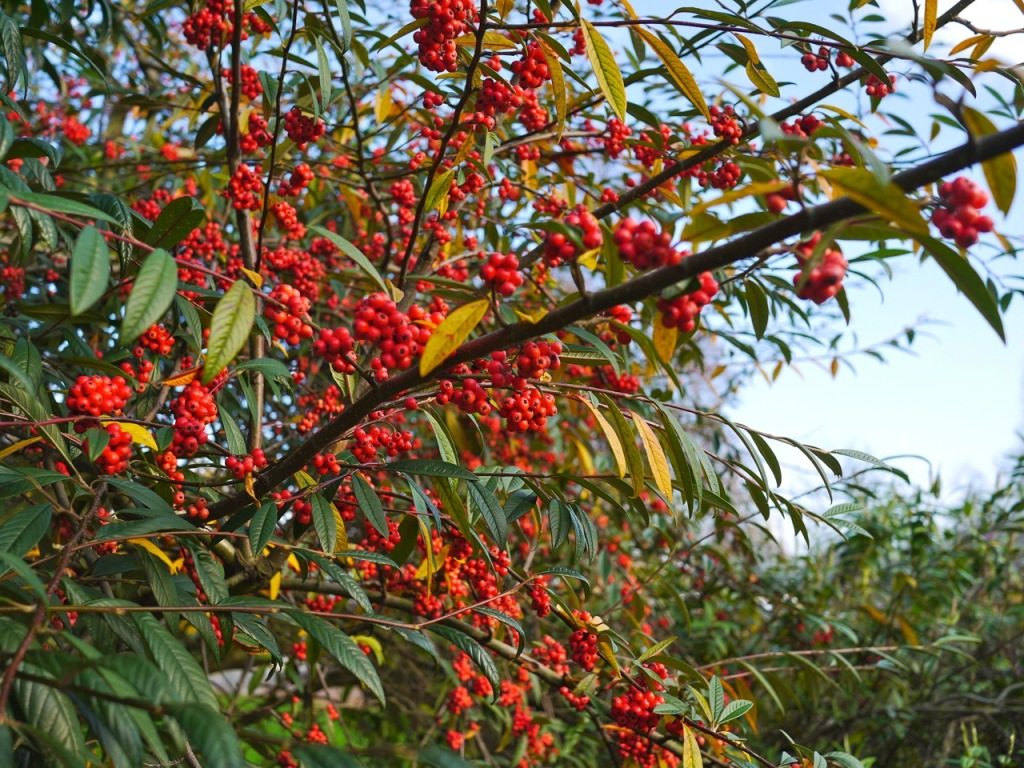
point(957, 399)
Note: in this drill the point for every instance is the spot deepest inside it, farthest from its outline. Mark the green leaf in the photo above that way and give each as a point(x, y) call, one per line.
point(353, 253)
point(14, 52)
point(324, 523)
point(716, 697)
point(324, 71)
point(183, 674)
point(369, 504)
point(59, 204)
point(967, 281)
point(342, 649)
point(735, 709)
point(24, 529)
point(175, 222)
point(437, 756)
point(634, 460)
point(432, 468)
point(438, 191)
point(90, 270)
point(492, 513)
point(261, 527)
point(151, 296)
point(609, 75)
point(324, 756)
point(49, 710)
point(232, 321)
point(210, 734)
point(559, 521)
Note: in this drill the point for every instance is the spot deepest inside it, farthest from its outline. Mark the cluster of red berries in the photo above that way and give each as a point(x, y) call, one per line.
point(209, 25)
point(251, 86)
point(579, 701)
point(297, 181)
point(532, 70)
point(288, 220)
point(98, 395)
point(776, 202)
point(469, 397)
point(802, 126)
point(446, 20)
point(156, 339)
point(583, 644)
point(958, 216)
point(682, 311)
point(245, 189)
point(257, 135)
point(877, 89)
point(193, 410)
point(816, 62)
point(635, 710)
point(725, 124)
point(535, 358)
point(301, 128)
point(288, 310)
point(497, 98)
point(528, 410)
point(326, 464)
point(643, 245)
point(113, 459)
point(240, 466)
point(726, 175)
point(501, 272)
point(823, 279)
point(335, 347)
point(559, 248)
point(615, 141)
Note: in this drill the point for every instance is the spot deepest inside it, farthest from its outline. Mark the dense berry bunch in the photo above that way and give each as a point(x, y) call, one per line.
point(335, 347)
point(497, 98)
point(635, 710)
point(288, 310)
point(193, 410)
point(501, 272)
point(301, 128)
point(559, 248)
point(877, 89)
point(446, 20)
point(156, 339)
point(297, 181)
point(725, 124)
point(537, 357)
point(615, 141)
point(528, 410)
point(583, 645)
point(644, 246)
point(532, 69)
point(399, 336)
point(816, 62)
point(114, 458)
point(725, 176)
point(681, 312)
point(240, 466)
point(958, 215)
point(803, 126)
point(245, 189)
point(822, 278)
point(98, 395)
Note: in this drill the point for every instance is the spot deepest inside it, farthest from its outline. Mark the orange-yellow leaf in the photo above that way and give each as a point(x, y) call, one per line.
point(931, 14)
point(274, 586)
point(154, 550)
point(254, 277)
point(13, 448)
point(677, 70)
point(181, 379)
point(655, 457)
point(610, 435)
point(450, 334)
point(665, 339)
point(139, 433)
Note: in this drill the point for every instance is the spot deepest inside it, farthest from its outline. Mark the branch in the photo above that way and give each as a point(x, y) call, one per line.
point(640, 287)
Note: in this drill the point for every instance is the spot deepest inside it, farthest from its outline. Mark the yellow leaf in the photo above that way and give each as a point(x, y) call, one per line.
point(966, 43)
point(254, 277)
point(885, 199)
point(303, 479)
point(341, 542)
point(931, 13)
point(181, 379)
point(607, 652)
point(609, 76)
point(250, 487)
point(450, 334)
point(493, 41)
point(665, 339)
point(13, 448)
point(589, 259)
point(382, 105)
point(439, 189)
point(154, 550)
point(691, 750)
point(655, 457)
point(1000, 172)
point(139, 433)
point(677, 70)
point(558, 87)
point(373, 644)
point(274, 586)
point(610, 435)
point(531, 317)
point(750, 48)
point(628, 8)
point(908, 632)
point(586, 460)
point(504, 6)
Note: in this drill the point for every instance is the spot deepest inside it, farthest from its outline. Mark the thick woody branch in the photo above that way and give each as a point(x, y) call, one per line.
point(645, 285)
